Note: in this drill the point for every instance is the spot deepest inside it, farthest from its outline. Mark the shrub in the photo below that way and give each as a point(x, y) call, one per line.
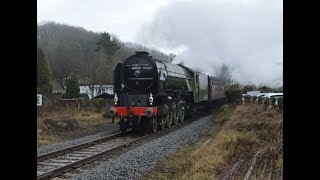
point(44, 84)
point(72, 90)
point(248, 88)
point(234, 93)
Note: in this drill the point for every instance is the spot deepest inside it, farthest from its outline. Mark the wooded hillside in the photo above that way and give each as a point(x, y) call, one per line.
point(91, 56)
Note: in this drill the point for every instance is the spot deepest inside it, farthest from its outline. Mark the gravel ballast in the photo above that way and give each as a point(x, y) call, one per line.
point(66, 144)
point(135, 162)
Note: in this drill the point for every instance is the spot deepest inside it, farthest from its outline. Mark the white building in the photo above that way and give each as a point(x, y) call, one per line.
point(97, 90)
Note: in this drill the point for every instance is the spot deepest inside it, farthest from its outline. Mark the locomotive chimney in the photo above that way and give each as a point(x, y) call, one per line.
point(142, 53)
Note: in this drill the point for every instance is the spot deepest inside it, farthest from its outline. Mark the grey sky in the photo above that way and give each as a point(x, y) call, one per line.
point(120, 17)
point(246, 35)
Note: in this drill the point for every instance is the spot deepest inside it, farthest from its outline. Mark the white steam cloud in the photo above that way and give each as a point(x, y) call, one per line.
point(244, 35)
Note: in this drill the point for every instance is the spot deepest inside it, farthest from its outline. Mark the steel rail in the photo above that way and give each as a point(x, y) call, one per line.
point(52, 154)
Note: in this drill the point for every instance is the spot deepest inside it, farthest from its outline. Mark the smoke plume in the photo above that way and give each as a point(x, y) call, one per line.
point(245, 36)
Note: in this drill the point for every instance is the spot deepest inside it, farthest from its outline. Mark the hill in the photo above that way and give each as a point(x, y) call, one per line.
point(71, 49)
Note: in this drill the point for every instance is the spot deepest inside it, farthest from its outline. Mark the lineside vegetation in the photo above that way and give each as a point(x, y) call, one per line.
point(248, 145)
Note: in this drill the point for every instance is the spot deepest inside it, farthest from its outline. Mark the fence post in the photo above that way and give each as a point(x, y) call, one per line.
point(281, 105)
point(270, 102)
point(276, 104)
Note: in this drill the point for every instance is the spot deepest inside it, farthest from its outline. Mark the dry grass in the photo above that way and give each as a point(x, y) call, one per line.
point(248, 129)
point(55, 127)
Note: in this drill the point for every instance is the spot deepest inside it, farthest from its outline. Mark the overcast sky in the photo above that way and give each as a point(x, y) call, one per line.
point(120, 17)
point(246, 35)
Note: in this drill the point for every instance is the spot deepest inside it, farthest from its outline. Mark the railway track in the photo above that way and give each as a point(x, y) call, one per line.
point(59, 162)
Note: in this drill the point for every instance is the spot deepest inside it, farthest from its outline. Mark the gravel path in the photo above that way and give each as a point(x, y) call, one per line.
point(66, 144)
point(136, 161)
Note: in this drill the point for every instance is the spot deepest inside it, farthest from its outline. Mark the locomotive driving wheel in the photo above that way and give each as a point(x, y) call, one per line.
point(181, 114)
point(168, 120)
point(162, 122)
point(153, 125)
point(176, 116)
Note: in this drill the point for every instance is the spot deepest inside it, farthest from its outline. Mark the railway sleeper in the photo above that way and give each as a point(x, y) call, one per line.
point(52, 164)
point(75, 157)
point(62, 161)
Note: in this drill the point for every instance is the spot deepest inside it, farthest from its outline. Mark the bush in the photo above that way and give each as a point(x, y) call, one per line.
point(248, 88)
point(266, 89)
point(234, 93)
point(72, 90)
point(44, 84)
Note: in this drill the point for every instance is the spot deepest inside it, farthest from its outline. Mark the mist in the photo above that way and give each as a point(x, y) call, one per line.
point(245, 36)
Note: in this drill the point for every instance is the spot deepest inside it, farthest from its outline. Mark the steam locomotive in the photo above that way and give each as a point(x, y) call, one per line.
point(150, 94)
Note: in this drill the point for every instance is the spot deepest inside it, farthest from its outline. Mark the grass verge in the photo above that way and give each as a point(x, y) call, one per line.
point(248, 144)
point(57, 128)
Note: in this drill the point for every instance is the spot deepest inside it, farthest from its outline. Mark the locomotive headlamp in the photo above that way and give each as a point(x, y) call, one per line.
point(151, 99)
point(115, 99)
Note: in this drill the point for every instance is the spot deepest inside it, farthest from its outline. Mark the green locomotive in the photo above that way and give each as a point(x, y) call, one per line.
point(151, 94)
